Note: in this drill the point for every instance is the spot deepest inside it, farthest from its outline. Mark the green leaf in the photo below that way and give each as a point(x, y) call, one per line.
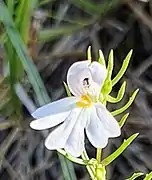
point(15, 71)
point(10, 5)
point(123, 68)
point(67, 168)
point(135, 175)
point(33, 75)
point(74, 159)
point(45, 2)
point(57, 32)
point(110, 65)
point(96, 9)
point(78, 21)
point(89, 54)
point(120, 94)
point(123, 120)
point(148, 176)
point(23, 22)
point(107, 87)
point(101, 59)
point(127, 105)
point(67, 89)
point(23, 55)
point(119, 151)
point(88, 6)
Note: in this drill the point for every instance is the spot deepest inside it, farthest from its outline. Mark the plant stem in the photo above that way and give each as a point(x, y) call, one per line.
point(90, 169)
point(98, 155)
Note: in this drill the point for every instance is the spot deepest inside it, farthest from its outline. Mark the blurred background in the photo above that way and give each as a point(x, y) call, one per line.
point(47, 36)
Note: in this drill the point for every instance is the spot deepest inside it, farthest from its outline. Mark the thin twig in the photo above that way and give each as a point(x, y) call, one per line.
point(41, 167)
point(13, 174)
point(138, 11)
point(7, 143)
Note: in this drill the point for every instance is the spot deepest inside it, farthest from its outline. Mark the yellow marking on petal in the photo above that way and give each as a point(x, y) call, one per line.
point(85, 102)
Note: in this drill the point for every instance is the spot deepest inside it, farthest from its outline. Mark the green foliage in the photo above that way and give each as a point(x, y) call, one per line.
point(16, 39)
point(108, 84)
point(89, 53)
point(119, 151)
point(127, 105)
point(123, 120)
point(67, 89)
point(54, 33)
point(18, 45)
point(123, 68)
point(96, 168)
point(148, 176)
point(101, 59)
point(120, 94)
point(135, 175)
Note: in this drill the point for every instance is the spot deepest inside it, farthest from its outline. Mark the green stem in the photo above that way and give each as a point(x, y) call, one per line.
point(89, 168)
point(98, 155)
point(71, 158)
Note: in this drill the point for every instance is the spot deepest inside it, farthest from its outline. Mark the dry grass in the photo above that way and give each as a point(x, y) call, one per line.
point(60, 32)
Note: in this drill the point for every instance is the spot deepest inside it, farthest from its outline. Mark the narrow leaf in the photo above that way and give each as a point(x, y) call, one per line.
point(23, 22)
point(110, 65)
point(127, 105)
point(123, 68)
point(67, 89)
point(45, 2)
point(135, 175)
point(88, 6)
point(57, 32)
point(10, 5)
point(123, 120)
point(23, 55)
point(101, 59)
point(120, 95)
point(89, 54)
point(119, 151)
point(67, 168)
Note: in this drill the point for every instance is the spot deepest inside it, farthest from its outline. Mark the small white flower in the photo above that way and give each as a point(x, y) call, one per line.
point(81, 112)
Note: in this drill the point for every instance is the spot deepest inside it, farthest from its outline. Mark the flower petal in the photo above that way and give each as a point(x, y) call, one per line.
point(98, 72)
point(75, 76)
point(58, 137)
point(49, 121)
point(84, 78)
point(75, 142)
point(55, 107)
point(109, 122)
point(95, 131)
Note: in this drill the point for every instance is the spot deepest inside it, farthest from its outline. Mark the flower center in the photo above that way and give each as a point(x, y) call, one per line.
point(84, 102)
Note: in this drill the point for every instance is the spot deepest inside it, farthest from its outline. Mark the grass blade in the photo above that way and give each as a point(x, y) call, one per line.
point(54, 33)
point(21, 51)
point(33, 75)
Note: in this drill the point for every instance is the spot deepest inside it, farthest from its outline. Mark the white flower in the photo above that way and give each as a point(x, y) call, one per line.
point(81, 112)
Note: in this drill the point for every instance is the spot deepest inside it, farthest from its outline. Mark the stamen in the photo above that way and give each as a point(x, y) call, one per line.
point(84, 102)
